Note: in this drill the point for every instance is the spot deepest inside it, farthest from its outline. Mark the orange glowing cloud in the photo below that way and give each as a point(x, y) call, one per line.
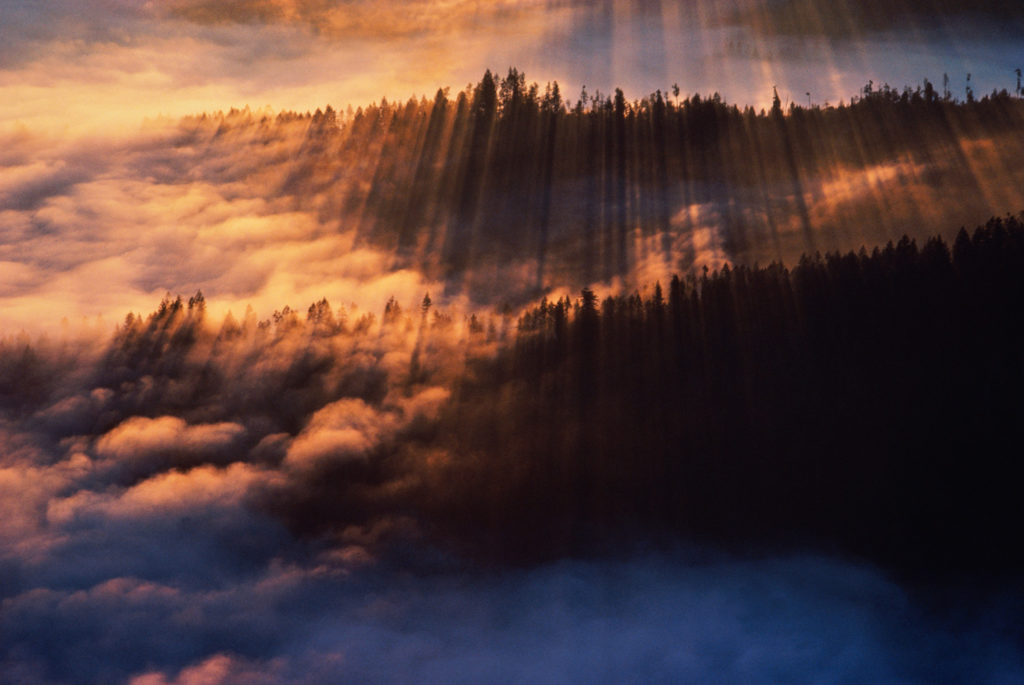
point(356, 18)
point(140, 437)
point(171, 493)
point(349, 428)
point(219, 669)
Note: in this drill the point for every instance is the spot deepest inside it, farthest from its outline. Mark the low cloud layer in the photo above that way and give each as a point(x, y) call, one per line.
point(206, 501)
point(104, 228)
point(656, 620)
point(265, 211)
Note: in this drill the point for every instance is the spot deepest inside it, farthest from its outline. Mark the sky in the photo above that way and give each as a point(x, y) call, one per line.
point(103, 65)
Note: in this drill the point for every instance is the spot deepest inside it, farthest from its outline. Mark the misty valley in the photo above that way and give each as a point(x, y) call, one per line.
point(509, 386)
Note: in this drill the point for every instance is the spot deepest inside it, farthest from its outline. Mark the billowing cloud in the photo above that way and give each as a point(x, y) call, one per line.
point(171, 492)
point(350, 429)
point(101, 230)
point(346, 429)
point(140, 437)
point(801, 620)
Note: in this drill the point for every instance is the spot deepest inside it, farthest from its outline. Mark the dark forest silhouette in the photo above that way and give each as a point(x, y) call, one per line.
point(864, 403)
point(506, 171)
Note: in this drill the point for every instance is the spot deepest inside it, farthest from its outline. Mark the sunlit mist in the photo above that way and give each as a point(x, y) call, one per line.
point(547, 341)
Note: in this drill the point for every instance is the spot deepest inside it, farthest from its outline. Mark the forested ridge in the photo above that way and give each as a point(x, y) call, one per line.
point(866, 403)
point(506, 171)
point(863, 403)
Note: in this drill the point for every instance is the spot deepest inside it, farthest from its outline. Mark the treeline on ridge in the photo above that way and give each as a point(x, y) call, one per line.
point(863, 403)
point(506, 171)
point(867, 403)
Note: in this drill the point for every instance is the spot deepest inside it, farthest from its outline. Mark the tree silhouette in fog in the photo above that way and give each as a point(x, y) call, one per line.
point(867, 401)
point(507, 172)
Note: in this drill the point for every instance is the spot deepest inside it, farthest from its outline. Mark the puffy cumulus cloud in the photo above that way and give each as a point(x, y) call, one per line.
point(25, 493)
point(195, 528)
point(195, 492)
point(23, 186)
point(158, 455)
point(346, 429)
point(143, 438)
point(191, 527)
point(349, 428)
point(113, 628)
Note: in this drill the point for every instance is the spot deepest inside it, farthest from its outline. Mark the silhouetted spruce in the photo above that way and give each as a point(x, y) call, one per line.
point(506, 170)
point(868, 403)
